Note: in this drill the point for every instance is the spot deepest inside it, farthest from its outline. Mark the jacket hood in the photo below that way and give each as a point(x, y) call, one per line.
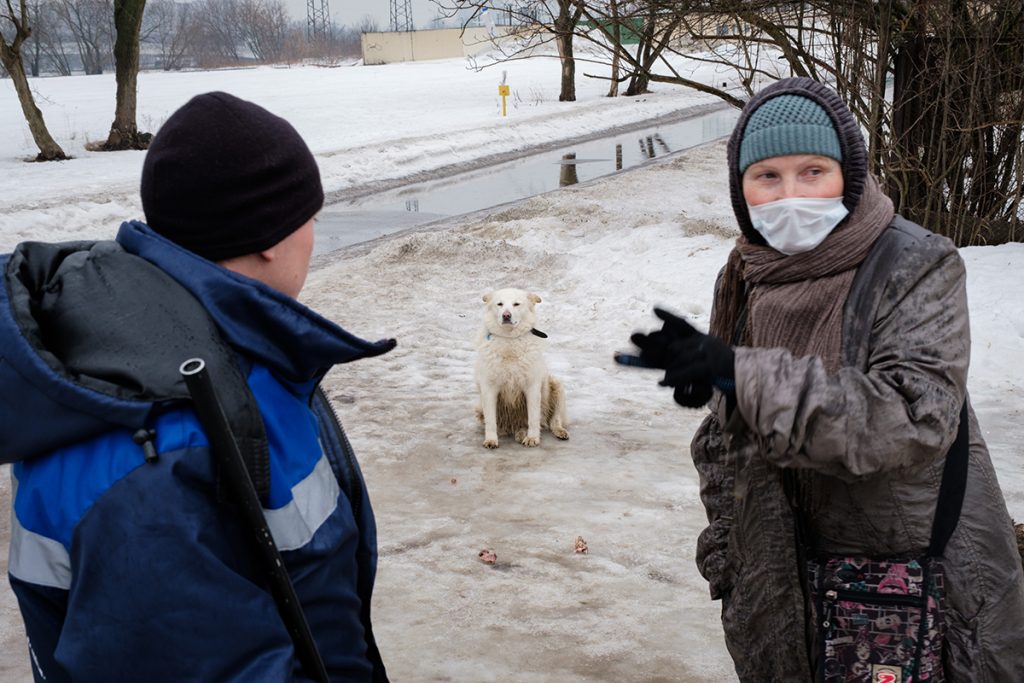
point(92, 335)
point(264, 324)
point(851, 143)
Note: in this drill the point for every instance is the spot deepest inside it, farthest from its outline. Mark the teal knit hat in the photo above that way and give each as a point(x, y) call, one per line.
point(788, 124)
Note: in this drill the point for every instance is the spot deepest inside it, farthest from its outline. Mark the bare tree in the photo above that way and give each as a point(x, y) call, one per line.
point(937, 84)
point(124, 131)
point(533, 23)
point(218, 37)
point(658, 26)
point(954, 153)
point(368, 24)
point(90, 23)
point(616, 41)
point(658, 29)
point(346, 41)
point(263, 26)
point(564, 28)
point(170, 27)
point(17, 24)
point(35, 52)
point(48, 39)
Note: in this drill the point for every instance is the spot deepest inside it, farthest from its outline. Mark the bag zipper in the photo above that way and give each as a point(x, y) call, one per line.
point(835, 595)
point(832, 597)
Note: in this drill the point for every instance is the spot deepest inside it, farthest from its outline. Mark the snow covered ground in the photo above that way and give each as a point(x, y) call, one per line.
point(367, 125)
point(600, 255)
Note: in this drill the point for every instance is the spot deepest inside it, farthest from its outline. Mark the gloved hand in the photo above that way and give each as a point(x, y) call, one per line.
point(694, 362)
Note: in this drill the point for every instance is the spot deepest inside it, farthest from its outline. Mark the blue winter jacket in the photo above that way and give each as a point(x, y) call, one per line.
point(128, 570)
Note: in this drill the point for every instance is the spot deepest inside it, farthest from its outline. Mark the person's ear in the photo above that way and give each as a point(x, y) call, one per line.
point(269, 254)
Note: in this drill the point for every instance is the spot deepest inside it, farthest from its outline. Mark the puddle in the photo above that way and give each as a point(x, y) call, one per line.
point(372, 216)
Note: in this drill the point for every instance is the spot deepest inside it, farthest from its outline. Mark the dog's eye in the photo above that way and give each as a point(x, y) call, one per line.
point(516, 303)
point(499, 304)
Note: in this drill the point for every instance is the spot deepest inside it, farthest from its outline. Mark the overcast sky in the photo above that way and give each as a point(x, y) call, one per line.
point(351, 12)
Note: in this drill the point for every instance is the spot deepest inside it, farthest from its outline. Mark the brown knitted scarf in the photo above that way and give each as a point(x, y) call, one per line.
point(796, 302)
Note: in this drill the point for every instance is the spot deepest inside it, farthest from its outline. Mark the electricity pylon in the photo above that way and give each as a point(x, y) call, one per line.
point(401, 15)
point(318, 21)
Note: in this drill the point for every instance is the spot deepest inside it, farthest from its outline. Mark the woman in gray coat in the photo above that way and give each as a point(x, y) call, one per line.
point(836, 370)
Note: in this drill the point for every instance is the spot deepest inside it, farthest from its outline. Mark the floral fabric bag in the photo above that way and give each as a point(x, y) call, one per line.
point(880, 620)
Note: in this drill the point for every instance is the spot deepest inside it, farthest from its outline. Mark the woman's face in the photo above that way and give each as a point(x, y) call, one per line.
point(792, 175)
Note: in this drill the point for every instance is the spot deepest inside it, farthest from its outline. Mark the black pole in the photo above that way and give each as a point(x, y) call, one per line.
point(225, 450)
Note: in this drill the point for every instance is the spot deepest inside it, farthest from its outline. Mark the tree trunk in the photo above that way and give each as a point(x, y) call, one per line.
point(92, 59)
point(613, 89)
point(641, 79)
point(36, 48)
point(874, 125)
point(914, 93)
point(564, 25)
point(642, 84)
point(49, 150)
point(634, 87)
point(568, 91)
point(124, 132)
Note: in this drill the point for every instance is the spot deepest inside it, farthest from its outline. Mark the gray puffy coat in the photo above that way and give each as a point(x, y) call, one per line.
point(868, 446)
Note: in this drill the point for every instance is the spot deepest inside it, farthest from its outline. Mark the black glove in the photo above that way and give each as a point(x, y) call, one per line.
point(694, 362)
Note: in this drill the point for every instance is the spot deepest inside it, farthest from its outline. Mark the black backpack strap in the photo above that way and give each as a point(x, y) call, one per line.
point(952, 487)
point(227, 449)
point(231, 418)
point(244, 418)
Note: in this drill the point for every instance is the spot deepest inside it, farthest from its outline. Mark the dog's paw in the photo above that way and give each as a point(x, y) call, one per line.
point(530, 441)
point(560, 433)
point(490, 443)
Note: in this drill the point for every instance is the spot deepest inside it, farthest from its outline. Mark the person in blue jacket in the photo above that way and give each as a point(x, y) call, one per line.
point(128, 559)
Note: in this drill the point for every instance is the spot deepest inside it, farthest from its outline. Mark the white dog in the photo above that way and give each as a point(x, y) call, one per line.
point(517, 395)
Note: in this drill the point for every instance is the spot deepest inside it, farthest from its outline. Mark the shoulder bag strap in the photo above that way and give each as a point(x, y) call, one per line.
point(952, 487)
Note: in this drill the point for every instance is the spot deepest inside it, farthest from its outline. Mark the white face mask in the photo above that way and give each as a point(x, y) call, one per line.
point(797, 224)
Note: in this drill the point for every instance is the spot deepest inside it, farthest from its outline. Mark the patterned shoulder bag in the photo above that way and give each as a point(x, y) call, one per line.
point(880, 620)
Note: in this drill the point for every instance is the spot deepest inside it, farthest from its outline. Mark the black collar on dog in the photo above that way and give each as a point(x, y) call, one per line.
point(533, 330)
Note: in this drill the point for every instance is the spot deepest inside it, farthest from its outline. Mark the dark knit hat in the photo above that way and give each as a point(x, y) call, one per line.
point(224, 177)
point(852, 153)
point(788, 124)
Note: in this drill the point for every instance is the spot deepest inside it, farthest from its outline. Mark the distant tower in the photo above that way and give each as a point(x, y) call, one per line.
point(401, 15)
point(318, 21)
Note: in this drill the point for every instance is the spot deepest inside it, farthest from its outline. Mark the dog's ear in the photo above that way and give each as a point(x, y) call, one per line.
point(533, 297)
point(487, 297)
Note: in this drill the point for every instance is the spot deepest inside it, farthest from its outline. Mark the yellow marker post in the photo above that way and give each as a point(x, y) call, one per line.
point(503, 90)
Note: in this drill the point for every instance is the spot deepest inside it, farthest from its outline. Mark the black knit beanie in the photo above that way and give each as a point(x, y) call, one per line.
point(224, 177)
point(851, 142)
